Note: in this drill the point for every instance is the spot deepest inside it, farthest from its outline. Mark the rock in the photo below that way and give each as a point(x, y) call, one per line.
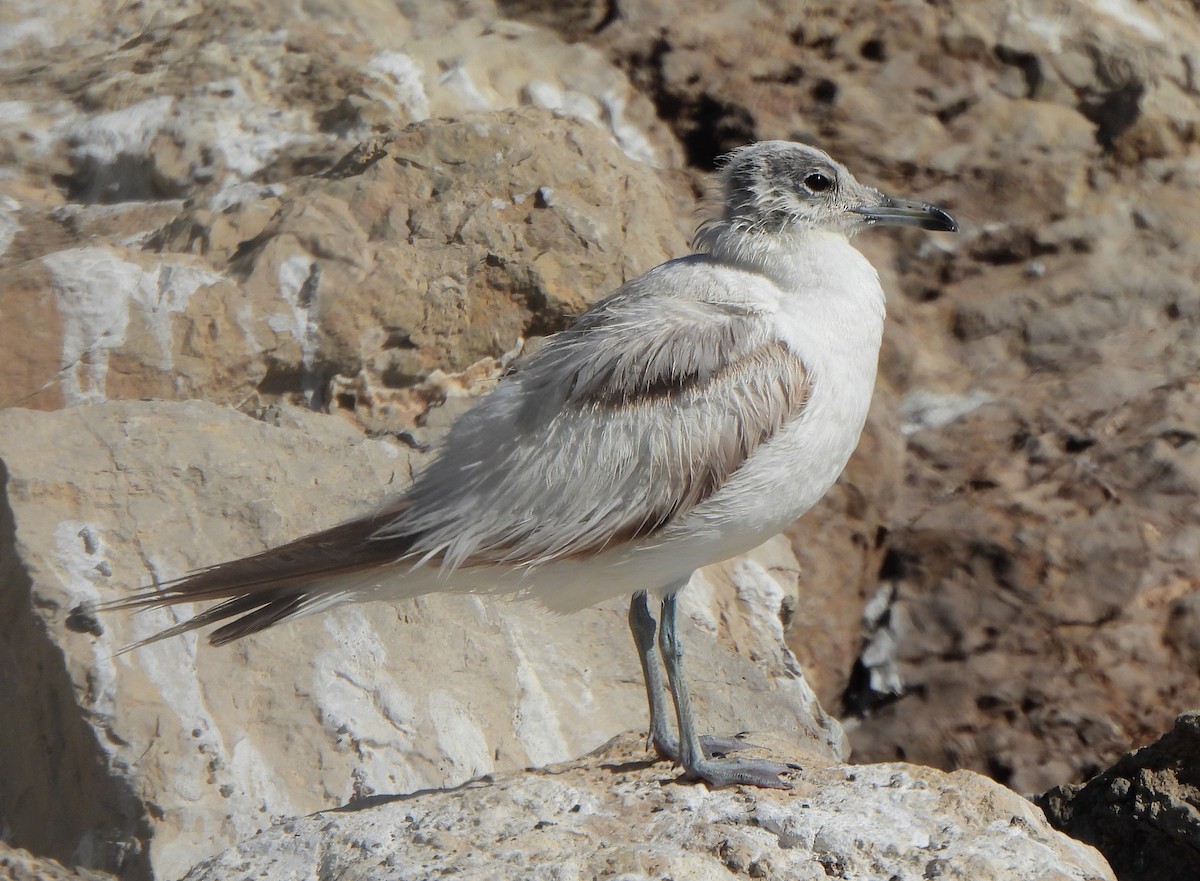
point(174, 751)
point(1040, 612)
point(1143, 813)
point(432, 248)
point(610, 814)
point(21, 865)
point(196, 99)
point(91, 323)
point(424, 249)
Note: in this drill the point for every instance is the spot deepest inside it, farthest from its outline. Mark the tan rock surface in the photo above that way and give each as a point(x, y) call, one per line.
point(438, 246)
point(115, 102)
point(21, 865)
point(176, 750)
point(1064, 569)
point(609, 815)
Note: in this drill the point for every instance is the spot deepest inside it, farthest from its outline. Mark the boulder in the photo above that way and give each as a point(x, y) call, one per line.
point(20, 865)
point(612, 815)
point(1144, 811)
point(434, 247)
point(143, 763)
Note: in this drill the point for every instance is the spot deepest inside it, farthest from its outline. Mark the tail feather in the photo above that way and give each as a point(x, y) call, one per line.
point(257, 611)
point(265, 615)
point(261, 590)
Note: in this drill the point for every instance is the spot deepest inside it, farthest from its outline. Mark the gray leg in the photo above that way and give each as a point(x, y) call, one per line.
point(641, 622)
point(662, 736)
point(718, 772)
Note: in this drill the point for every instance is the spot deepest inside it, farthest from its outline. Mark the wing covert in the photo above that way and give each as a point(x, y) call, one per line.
point(609, 432)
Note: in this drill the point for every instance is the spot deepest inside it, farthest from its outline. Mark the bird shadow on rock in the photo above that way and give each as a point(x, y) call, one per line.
point(373, 801)
point(626, 753)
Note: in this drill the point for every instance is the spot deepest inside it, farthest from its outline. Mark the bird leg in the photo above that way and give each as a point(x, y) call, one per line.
point(697, 765)
point(662, 734)
point(644, 628)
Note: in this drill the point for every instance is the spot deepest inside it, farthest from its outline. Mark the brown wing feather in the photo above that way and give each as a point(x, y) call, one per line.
point(613, 429)
point(268, 587)
point(765, 389)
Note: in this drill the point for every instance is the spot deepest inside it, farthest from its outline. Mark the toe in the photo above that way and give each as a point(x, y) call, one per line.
point(722, 746)
point(730, 772)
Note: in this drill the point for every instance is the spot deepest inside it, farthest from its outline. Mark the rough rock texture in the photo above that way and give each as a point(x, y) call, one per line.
point(610, 815)
point(121, 102)
point(434, 247)
point(175, 750)
point(21, 865)
point(1144, 812)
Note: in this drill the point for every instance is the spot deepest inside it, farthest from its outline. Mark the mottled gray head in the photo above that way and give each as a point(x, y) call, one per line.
point(776, 186)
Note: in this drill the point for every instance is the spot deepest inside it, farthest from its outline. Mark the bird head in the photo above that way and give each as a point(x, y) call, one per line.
point(779, 187)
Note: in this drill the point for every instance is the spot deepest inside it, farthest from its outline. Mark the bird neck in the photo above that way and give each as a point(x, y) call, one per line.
point(802, 262)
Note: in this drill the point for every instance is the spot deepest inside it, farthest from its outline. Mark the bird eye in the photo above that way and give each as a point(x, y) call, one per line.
point(817, 182)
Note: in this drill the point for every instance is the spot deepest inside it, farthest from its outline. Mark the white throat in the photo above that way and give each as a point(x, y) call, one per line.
point(830, 310)
point(816, 268)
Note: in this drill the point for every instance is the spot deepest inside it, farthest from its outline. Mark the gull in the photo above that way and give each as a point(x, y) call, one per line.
point(682, 420)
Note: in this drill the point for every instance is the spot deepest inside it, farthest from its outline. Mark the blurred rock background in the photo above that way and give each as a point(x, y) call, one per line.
point(364, 210)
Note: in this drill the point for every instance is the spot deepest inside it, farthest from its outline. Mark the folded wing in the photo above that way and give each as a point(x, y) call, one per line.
point(610, 432)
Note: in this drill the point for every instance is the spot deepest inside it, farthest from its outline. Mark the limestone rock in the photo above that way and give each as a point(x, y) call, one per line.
point(435, 247)
point(1062, 569)
point(198, 98)
point(174, 751)
point(611, 815)
point(21, 865)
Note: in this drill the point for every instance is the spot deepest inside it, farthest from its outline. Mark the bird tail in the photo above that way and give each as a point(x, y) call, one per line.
point(276, 585)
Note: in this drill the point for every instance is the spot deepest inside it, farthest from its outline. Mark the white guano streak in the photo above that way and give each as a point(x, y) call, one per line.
point(299, 279)
point(96, 293)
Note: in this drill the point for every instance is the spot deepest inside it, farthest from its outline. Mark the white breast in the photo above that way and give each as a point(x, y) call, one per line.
point(830, 310)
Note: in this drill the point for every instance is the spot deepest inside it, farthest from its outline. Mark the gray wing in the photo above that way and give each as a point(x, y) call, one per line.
point(614, 429)
point(611, 431)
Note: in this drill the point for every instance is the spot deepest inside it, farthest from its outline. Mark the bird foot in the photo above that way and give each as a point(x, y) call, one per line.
point(713, 745)
point(718, 771)
point(748, 772)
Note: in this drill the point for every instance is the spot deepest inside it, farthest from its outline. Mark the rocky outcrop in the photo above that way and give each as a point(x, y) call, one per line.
point(1144, 811)
point(21, 865)
point(199, 98)
point(433, 248)
point(176, 750)
point(610, 815)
